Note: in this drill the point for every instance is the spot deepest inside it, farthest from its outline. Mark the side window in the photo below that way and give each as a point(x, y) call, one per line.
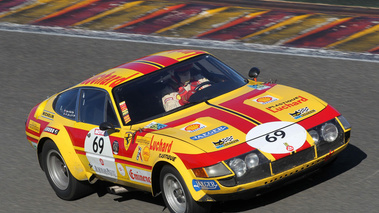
point(92, 106)
point(65, 104)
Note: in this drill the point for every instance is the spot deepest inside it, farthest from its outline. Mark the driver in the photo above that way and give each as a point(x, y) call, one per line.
point(183, 87)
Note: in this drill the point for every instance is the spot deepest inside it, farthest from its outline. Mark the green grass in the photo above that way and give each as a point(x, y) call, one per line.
point(362, 3)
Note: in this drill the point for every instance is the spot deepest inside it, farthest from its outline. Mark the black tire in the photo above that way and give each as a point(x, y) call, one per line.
point(176, 195)
point(59, 176)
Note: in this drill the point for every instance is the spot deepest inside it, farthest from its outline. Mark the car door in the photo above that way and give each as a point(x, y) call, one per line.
point(99, 146)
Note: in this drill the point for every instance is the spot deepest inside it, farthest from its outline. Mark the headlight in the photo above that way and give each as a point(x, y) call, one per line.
point(329, 132)
point(216, 170)
point(238, 166)
point(315, 136)
point(251, 160)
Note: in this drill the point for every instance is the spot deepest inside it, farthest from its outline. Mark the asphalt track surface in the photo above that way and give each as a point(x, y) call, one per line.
point(34, 66)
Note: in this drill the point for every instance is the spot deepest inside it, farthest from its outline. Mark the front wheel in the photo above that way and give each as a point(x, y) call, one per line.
point(59, 176)
point(176, 195)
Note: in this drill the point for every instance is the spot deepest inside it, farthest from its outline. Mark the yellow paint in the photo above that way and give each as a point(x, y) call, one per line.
point(360, 44)
point(207, 23)
point(280, 24)
point(355, 36)
point(200, 16)
point(67, 9)
point(116, 18)
point(38, 9)
point(109, 12)
point(279, 35)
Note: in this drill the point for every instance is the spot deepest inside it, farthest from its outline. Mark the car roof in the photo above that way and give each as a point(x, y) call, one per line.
point(142, 66)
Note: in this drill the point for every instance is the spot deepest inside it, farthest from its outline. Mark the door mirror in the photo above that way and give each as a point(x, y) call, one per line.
point(254, 72)
point(107, 126)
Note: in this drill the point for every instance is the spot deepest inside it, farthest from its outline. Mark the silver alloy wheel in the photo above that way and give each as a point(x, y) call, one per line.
point(174, 193)
point(57, 169)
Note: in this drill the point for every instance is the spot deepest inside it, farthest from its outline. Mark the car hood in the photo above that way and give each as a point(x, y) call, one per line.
point(269, 117)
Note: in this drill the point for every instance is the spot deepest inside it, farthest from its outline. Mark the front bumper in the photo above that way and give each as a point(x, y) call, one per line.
point(250, 190)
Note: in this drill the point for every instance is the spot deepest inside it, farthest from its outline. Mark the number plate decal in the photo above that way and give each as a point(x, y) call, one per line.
point(277, 137)
point(99, 153)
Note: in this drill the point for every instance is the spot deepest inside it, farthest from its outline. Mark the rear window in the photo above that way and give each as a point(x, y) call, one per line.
point(65, 104)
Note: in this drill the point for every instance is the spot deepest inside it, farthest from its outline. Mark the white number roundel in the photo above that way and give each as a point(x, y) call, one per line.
point(97, 142)
point(277, 137)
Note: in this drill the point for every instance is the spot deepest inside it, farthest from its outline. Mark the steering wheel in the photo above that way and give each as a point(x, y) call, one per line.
point(203, 84)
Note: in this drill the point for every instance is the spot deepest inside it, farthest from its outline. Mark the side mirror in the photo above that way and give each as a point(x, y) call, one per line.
point(107, 126)
point(254, 72)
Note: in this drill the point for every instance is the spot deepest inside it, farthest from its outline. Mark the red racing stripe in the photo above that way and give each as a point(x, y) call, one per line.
point(325, 115)
point(228, 118)
point(237, 105)
point(78, 137)
point(140, 67)
point(78, 12)
point(192, 161)
point(133, 164)
point(162, 60)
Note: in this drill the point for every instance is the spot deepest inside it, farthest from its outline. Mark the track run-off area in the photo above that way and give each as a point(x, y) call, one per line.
point(278, 23)
point(38, 61)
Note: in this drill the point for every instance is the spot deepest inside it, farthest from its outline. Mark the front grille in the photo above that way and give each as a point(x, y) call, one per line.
point(293, 160)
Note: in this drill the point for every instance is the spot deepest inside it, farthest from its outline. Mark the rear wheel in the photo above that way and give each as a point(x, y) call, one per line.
point(176, 195)
point(59, 176)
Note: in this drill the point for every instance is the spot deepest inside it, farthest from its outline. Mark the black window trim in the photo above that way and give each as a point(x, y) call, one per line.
point(78, 103)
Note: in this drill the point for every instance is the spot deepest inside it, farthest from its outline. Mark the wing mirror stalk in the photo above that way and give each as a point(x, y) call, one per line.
point(254, 73)
point(105, 126)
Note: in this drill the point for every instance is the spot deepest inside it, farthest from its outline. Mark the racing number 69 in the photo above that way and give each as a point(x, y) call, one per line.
point(98, 144)
point(275, 136)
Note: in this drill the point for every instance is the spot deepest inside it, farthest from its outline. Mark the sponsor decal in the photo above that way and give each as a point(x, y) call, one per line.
point(209, 133)
point(115, 147)
point(265, 99)
point(48, 115)
point(168, 157)
point(139, 154)
point(270, 137)
point(146, 153)
point(125, 111)
point(51, 130)
point(259, 86)
point(160, 146)
point(138, 175)
point(155, 125)
point(205, 185)
point(289, 147)
point(225, 142)
point(121, 169)
point(101, 161)
point(105, 79)
point(143, 141)
point(302, 112)
point(105, 171)
point(99, 132)
point(128, 140)
point(68, 113)
point(194, 127)
point(287, 104)
point(34, 126)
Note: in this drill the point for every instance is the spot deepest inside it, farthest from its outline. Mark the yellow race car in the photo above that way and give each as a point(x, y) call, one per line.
point(183, 124)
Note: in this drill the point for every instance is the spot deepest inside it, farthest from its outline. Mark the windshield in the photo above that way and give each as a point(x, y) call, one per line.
point(175, 88)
